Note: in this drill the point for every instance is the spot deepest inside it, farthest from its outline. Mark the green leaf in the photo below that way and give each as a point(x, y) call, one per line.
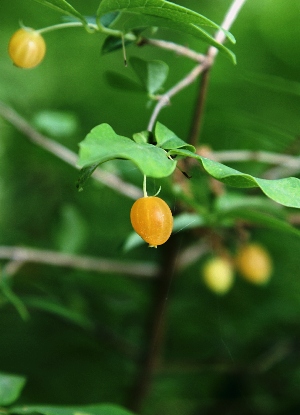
point(187, 221)
point(108, 19)
point(152, 74)
point(10, 388)
point(103, 144)
point(13, 298)
point(64, 7)
point(262, 218)
point(168, 140)
point(159, 8)
point(112, 43)
point(234, 201)
point(284, 191)
point(119, 81)
point(137, 21)
point(60, 310)
point(166, 14)
point(85, 174)
point(101, 409)
point(142, 137)
point(56, 123)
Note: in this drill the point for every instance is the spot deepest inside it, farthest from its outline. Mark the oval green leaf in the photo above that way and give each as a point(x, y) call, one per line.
point(167, 14)
point(103, 144)
point(284, 191)
point(152, 74)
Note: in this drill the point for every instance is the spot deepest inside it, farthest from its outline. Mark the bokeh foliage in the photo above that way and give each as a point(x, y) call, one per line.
point(235, 354)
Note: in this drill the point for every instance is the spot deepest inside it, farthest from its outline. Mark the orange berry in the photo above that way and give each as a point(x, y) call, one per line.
point(254, 263)
point(26, 48)
point(152, 219)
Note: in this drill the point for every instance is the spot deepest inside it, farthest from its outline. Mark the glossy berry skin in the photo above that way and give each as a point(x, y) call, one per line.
point(26, 48)
point(254, 263)
point(152, 219)
point(218, 275)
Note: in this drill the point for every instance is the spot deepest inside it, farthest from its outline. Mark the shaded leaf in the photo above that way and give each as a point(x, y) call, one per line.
point(119, 81)
point(10, 388)
point(112, 43)
point(85, 174)
point(232, 201)
point(61, 311)
point(168, 140)
point(103, 144)
point(262, 218)
point(152, 74)
point(13, 298)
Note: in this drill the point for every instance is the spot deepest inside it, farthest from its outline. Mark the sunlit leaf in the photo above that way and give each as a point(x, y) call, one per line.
point(166, 14)
point(284, 191)
point(103, 144)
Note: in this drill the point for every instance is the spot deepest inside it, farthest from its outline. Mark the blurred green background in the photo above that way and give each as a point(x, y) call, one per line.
point(236, 354)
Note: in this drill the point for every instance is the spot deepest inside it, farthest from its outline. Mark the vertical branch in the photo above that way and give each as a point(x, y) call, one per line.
point(199, 109)
point(212, 52)
point(156, 326)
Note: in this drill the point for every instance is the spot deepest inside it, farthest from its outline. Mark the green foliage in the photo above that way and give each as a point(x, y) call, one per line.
point(64, 7)
point(10, 388)
point(151, 74)
point(285, 191)
point(103, 144)
point(85, 333)
point(162, 13)
point(56, 410)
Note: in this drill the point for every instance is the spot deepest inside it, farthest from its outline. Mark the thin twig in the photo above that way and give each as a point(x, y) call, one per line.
point(207, 63)
point(21, 255)
point(174, 47)
point(261, 156)
point(108, 179)
point(211, 55)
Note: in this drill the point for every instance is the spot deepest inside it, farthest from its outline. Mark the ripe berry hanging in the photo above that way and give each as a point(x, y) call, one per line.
point(26, 48)
point(152, 219)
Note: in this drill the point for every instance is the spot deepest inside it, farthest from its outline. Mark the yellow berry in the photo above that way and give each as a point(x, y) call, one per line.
point(26, 48)
point(218, 274)
point(254, 263)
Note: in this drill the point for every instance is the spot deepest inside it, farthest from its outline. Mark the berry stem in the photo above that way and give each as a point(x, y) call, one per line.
point(145, 186)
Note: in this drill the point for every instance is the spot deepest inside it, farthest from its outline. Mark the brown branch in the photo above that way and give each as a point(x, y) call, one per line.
point(174, 47)
point(156, 325)
point(63, 153)
point(19, 256)
point(210, 56)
